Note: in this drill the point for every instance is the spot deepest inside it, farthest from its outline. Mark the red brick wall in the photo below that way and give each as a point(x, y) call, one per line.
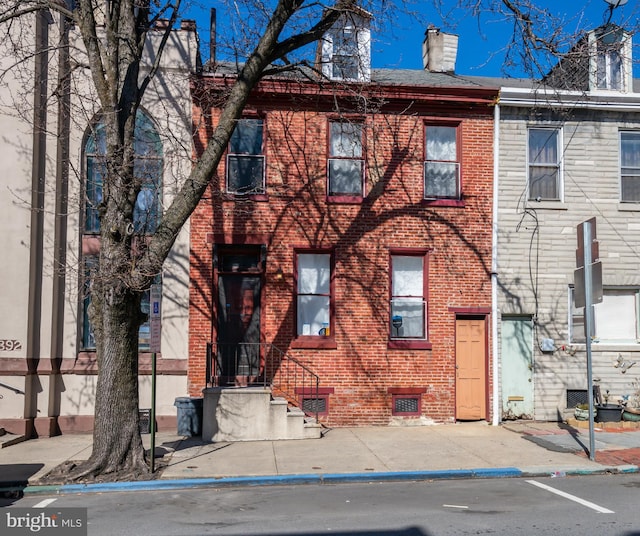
point(393, 215)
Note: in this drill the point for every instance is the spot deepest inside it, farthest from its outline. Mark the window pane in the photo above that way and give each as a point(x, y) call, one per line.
point(245, 174)
point(407, 276)
point(407, 317)
point(344, 58)
point(543, 182)
point(441, 143)
point(313, 314)
point(95, 174)
point(345, 177)
point(314, 273)
point(615, 317)
point(543, 146)
point(441, 180)
point(346, 139)
point(247, 137)
point(631, 188)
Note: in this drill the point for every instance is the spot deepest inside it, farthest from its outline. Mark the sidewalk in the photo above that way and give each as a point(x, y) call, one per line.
point(463, 450)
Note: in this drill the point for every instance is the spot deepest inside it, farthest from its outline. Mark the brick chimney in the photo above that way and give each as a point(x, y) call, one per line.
point(439, 51)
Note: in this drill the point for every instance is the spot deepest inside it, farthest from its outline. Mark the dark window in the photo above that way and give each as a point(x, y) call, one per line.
point(544, 164)
point(630, 167)
point(245, 161)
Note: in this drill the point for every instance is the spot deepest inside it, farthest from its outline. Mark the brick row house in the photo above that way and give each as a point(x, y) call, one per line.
point(349, 230)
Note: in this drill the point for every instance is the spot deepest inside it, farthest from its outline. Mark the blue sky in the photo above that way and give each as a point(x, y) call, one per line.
point(482, 41)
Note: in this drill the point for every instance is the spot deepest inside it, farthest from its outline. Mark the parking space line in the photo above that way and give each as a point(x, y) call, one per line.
point(45, 503)
point(573, 498)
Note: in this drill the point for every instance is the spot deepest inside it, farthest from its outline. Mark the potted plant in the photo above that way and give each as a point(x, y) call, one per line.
point(608, 412)
point(581, 412)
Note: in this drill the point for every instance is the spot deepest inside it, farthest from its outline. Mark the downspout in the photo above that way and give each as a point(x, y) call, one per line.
point(494, 266)
point(60, 230)
point(38, 171)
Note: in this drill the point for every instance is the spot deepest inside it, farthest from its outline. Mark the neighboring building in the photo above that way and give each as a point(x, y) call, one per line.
point(350, 228)
point(50, 228)
point(569, 150)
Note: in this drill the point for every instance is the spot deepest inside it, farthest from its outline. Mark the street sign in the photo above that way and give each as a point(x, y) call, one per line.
point(578, 282)
point(155, 318)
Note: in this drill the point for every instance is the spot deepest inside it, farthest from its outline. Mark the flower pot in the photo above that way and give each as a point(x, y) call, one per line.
point(631, 414)
point(609, 413)
point(582, 414)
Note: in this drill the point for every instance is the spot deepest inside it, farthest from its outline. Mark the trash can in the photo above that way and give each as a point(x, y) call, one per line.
point(189, 416)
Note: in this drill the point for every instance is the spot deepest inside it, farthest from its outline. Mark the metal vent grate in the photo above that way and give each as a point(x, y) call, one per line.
point(406, 405)
point(576, 396)
point(314, 405)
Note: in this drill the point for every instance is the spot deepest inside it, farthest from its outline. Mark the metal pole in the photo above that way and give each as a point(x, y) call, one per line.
point(588, 327)
point(153, 412)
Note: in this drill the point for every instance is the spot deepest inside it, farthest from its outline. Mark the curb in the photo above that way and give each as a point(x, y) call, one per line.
point(329, 478)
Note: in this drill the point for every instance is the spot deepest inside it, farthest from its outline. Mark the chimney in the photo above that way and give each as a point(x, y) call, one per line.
point(439, 51)
point(212, 37)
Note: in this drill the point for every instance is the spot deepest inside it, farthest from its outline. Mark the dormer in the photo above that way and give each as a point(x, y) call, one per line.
point(600, 61)
point(345, 50)
point(610, 59)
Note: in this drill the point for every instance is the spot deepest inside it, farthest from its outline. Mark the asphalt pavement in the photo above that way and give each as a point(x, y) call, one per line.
point(461, 450)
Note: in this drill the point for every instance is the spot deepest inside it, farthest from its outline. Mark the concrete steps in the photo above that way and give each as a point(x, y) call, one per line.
point(253, 414)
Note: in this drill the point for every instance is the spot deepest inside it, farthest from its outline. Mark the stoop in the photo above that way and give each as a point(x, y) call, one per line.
point(252, 414)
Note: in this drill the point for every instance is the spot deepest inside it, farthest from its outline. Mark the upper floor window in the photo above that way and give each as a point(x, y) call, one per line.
point(544, 164)
point(442, 162)
point(345, 50)
point(408, 297)
point(245, 159)
point(314, 293)
point(611, 64)
point(147, 169)
point(615, 318)
point(630, 167)
point(346, 162)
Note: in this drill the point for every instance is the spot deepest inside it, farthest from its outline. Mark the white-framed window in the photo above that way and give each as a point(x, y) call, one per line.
point(346, 48)
point(442, 162)
point(245, 159)
point(630, 166)
point(346, 161)
point(314, 293)
point(609, 70)
point(544, 164)
point(408, 307)
point(615, 318)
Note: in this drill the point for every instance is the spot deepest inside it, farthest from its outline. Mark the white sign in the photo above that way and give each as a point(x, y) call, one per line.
point(155, 318)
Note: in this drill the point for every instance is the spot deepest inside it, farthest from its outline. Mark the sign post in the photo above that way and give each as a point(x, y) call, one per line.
point(587, 290)
point(155, 324)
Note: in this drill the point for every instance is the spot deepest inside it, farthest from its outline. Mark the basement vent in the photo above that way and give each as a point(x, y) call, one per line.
point(576, 396)
point(314, 405)
point(403, 405)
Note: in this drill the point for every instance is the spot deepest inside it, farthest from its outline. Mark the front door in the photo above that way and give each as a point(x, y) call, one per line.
point(471, 369)
point(238, 307)
point(516, 355)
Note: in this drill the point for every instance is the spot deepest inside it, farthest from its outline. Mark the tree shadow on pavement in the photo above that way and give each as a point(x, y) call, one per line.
point(14, 478)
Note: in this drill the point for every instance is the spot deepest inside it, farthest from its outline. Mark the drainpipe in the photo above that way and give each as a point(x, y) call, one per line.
point(494, 266)
point(38, 170)
point(60, 230)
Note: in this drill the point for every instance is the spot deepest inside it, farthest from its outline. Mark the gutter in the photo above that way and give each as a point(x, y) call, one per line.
point(494, 266)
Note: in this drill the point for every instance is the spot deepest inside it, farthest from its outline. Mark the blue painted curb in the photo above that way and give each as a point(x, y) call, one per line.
point(332, 478)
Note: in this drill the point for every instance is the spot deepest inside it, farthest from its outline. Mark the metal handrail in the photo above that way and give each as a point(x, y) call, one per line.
point(263, 364)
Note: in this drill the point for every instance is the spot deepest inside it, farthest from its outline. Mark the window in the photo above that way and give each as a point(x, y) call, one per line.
point(346, 164)
point(442, 163)
point(610, 52)
point(544, 164)
point(88, 338)
point(314, 294)
point(245, 161)
point(408, 297)
point(344, 60)
point(615, 318)
point(630, 167)
point(147, 169)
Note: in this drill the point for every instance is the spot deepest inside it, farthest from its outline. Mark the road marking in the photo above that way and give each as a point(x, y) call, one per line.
point(455, 506)
point(588, 504)
point(45, 503)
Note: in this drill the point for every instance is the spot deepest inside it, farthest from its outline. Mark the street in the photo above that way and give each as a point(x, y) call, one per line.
point(562, 506)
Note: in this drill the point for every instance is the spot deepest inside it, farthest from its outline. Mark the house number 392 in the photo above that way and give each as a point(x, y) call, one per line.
point(10, 345)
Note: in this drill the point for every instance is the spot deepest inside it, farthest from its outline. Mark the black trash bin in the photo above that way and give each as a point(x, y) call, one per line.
point(189, 416)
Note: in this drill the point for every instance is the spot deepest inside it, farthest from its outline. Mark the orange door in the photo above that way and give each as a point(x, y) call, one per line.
point(471, 379)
